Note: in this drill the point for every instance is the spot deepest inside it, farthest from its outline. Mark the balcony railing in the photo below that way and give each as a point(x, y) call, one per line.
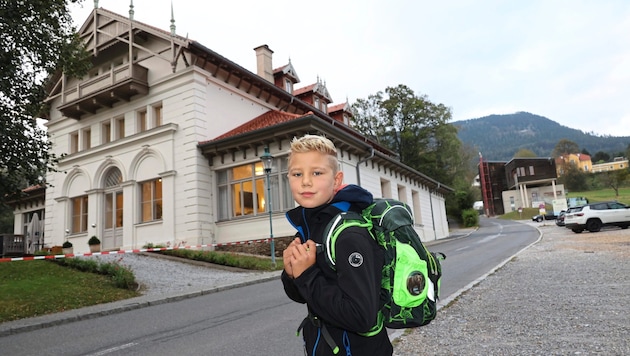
point(119, 84)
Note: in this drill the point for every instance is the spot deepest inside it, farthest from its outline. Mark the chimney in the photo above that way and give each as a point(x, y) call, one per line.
point(264, 66)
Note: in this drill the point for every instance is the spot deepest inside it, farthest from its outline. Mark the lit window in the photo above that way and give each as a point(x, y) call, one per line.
point(243, 190)
point(151, 200)
point(79, 214)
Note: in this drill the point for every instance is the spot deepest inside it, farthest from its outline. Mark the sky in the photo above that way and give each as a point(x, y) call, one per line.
point(567, 60)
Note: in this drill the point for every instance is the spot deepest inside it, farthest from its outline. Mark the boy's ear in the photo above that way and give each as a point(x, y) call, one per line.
point(338, 179)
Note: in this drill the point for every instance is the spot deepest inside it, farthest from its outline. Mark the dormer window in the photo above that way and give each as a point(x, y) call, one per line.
point(288, 86)
point(316, 102)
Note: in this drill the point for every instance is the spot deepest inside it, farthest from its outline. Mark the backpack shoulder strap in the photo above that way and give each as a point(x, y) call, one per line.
point(339, 223)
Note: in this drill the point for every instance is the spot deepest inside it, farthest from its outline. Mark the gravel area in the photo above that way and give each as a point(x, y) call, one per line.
point(566, 295)
point(160, 275)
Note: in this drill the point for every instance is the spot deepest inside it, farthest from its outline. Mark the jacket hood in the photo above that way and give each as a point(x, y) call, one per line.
point(355, 195)
point(348, 197)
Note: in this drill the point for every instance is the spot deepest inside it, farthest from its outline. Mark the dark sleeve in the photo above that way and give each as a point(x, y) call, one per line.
point(352, 300)
point(291, 289)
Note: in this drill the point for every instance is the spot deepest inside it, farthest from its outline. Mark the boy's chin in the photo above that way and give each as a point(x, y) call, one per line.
point(308, 203)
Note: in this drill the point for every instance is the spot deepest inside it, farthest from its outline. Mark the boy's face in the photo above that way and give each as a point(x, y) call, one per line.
point(311, 179)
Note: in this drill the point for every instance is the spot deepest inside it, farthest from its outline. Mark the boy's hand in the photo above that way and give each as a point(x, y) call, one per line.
point(287, 255)
point(299, 257)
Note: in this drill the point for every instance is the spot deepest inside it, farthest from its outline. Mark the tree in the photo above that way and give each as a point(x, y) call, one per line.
point(573, 178)
point(413, 127)
point(615, 179)
point(600, 157)
point(565, 146)
point(419, 132)
point(524, 153)
point(36, 38)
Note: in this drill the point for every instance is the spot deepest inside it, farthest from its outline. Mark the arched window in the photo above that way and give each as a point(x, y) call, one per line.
point(113, 178)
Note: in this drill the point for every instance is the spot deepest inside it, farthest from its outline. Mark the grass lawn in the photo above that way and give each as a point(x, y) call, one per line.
point(34, 288)
point(604, 195)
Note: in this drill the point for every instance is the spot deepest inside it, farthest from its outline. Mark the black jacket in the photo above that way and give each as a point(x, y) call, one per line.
point(346, 300)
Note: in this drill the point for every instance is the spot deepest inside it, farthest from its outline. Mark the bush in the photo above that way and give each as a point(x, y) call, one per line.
point(121, 276)
point(470, 217)
point(227, 259)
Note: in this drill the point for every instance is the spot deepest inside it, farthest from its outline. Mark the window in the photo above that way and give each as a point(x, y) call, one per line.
point(107, 132)
point(87, 139)
point(157, 115)
point(386, 188)
point(402, 193)
point(243, 191)
point(531, 170)
point(142, 121)
point(120, 127)
point(316, 102)
point(74, 142)
point(79, 214)
point(151, 200)
point(288, 86)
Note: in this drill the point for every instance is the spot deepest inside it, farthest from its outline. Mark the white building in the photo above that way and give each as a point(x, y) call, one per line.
point(164, 137)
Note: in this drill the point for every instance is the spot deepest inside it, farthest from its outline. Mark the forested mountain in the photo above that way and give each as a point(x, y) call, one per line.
point(499, 137)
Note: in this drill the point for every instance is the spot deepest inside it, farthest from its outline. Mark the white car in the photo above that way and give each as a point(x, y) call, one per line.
point(594, 216)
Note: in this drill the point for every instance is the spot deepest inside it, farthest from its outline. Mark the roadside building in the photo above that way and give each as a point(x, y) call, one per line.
point(164, 139)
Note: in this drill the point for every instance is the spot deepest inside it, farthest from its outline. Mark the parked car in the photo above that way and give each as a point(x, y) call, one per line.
point(560, 218)
point(594, 216)
point(549, 216)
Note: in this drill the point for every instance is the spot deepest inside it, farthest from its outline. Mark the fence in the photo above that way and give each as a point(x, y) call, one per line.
point(12, 245)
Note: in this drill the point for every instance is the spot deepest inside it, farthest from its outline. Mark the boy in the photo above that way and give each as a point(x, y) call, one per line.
point(344, 303)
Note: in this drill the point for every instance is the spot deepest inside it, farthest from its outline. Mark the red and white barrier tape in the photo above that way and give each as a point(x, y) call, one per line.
point(118, 252)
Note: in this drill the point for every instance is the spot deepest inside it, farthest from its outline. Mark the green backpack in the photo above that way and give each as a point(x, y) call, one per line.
point(411, 274)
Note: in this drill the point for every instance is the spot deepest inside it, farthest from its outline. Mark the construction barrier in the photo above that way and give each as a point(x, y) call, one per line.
point(118, 252)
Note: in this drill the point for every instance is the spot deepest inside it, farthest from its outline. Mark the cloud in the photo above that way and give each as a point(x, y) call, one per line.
point(566, 60)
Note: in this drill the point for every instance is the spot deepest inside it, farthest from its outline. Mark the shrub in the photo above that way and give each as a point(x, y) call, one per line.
point(470, 217)
point(121, 276)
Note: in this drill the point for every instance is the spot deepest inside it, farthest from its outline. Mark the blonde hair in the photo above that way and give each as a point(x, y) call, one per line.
point(310, 143)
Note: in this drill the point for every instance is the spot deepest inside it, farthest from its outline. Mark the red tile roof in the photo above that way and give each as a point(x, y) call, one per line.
point(338, 107)
point(306, 89)
point(270, 118)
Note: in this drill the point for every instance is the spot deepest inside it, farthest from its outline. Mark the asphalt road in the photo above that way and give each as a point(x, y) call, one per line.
point(252, 320)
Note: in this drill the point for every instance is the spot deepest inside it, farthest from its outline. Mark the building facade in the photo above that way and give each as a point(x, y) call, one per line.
point(580, 160)
point(163, 138)
point(616, 164)
point(520, 183)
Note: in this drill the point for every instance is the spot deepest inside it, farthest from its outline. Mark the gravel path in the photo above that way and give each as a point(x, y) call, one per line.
point(569, 294)
point(161, 275)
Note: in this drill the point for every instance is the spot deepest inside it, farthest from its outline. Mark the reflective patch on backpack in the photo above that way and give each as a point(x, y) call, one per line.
point(355, 259)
